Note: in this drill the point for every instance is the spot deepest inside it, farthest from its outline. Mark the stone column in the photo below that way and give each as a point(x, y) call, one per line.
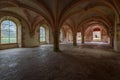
point(74, 39)
point(83, 34)
point(82, 37)
point(112, 33)
point(117, 38)
point(111, 40)
point(56, 40)
point(51, 40)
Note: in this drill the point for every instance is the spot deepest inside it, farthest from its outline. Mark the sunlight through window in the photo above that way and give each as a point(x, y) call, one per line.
point(8, 32)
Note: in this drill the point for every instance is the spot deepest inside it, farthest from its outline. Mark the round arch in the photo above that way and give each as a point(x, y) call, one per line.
point(14, 32)
point(96, 33)
point(45, 33)
point(66, 34)
point(101, 3)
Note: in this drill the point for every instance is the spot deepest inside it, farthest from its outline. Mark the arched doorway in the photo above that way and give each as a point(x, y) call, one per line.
point(79, 37)
point(66, 34)
point(97, 33)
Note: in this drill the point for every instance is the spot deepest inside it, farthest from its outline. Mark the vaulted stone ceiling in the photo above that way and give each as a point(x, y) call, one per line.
point(58, 12)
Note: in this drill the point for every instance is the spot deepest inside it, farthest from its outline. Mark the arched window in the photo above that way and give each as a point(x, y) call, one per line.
point(8, 32)
point(42, 34)
point(78, 36)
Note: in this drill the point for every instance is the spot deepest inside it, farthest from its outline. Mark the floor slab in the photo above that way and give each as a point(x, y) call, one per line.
point(84, 62)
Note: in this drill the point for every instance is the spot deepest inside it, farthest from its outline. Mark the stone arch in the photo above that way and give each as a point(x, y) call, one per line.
point(66, 34)
point(18, 31)
point(48, 33)
point(100, 3)
point(102, 36)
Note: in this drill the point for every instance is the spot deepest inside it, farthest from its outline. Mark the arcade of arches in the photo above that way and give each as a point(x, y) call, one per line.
point(45, 27)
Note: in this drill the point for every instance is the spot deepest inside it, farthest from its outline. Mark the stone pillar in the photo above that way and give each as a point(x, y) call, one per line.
point(117, 38)
point(83, 34)
point(111, 40)
point(82, 37)
point(51, 40)
point(112, 36)
point(74, 39)
point(56, 40)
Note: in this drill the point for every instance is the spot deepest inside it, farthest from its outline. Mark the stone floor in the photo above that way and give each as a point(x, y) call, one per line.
point(84, 62)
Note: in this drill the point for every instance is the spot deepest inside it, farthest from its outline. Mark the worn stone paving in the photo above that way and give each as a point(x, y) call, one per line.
point(84, 62)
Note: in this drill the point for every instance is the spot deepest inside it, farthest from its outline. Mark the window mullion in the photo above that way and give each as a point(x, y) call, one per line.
point(9, 31)
point(0, 34)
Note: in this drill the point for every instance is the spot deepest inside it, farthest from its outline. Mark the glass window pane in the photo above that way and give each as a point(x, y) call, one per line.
point(42, 34)
point(12, 26)
point(5, 26)
point(12, 40)
point(12, 37)
point(4, 40)
point(4, 37)
point(12, 32)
